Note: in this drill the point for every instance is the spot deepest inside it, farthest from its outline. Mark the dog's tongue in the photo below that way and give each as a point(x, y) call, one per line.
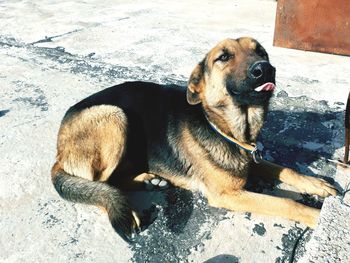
point(269, 86)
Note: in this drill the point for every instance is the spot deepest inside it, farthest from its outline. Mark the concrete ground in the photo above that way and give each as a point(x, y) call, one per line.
point(54, 53)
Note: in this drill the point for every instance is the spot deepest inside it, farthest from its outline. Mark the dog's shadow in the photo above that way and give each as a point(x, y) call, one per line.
point(173, 204)
point(301, 133)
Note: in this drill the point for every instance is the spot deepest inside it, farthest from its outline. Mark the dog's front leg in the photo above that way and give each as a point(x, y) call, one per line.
point(305, 184)
point(245, 201)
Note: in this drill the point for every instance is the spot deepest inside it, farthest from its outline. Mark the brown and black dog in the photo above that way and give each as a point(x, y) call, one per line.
point(198, 139)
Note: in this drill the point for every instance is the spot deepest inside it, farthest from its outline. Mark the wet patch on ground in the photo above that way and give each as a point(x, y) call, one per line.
point(293, 244)
point(259, 229)
point(304, 80)
point(92, 67)
point(30, 96)
point(3, 112)
point(223, 259)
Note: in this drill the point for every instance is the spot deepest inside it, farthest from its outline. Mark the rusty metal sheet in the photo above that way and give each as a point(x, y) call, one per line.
point(317, 25)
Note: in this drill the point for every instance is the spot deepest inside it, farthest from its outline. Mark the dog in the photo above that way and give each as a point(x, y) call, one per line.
point(201, 138)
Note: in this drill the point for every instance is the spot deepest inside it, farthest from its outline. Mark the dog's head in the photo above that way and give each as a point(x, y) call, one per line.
point(235, 71)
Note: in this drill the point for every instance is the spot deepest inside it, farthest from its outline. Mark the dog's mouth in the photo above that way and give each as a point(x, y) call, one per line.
point(251, 93)
point(269, 86)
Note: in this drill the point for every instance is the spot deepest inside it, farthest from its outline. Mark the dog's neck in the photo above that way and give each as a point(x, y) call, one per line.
point(240, 122)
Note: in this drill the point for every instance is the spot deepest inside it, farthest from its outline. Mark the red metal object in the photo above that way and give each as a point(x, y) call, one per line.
point(315, 25)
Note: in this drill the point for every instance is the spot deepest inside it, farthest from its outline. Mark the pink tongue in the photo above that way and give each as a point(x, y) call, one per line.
point(269, 86)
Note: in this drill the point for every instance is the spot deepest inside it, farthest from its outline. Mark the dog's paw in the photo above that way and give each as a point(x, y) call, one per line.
point(316, 186)
point(156, 183)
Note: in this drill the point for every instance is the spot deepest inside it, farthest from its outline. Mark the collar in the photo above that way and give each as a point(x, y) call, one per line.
point(251, 148)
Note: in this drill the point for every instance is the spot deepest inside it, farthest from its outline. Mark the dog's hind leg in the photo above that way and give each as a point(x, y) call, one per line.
point(305, 184)
point(90, 146)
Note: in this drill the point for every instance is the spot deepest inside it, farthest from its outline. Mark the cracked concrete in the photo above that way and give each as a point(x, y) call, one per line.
point(54, 53)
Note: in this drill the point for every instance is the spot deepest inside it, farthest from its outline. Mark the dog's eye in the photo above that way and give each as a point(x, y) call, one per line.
point(224, 57)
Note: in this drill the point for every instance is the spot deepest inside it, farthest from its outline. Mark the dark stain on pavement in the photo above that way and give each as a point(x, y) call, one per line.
point(289, 242)
point(36, 96)
point(259, 229)
point(223, 259)
point(3, 112)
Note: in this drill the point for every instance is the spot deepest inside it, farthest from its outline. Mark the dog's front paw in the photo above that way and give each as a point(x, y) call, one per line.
point(316, 186)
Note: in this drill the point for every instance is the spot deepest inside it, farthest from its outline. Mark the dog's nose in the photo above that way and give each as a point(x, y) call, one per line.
point(261, 71)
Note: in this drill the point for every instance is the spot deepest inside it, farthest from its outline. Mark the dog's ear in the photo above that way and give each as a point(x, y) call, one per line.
point(196, 84)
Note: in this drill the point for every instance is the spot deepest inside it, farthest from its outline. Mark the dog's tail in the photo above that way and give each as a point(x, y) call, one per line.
point(77, 189)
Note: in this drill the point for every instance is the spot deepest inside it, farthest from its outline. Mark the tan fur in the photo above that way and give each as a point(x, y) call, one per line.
point(212, 178)
point(91, 142)
point(268, 205)
point(256, 122)
point(303, 183)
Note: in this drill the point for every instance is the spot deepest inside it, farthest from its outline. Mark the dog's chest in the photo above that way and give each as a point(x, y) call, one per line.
point(206, 151)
